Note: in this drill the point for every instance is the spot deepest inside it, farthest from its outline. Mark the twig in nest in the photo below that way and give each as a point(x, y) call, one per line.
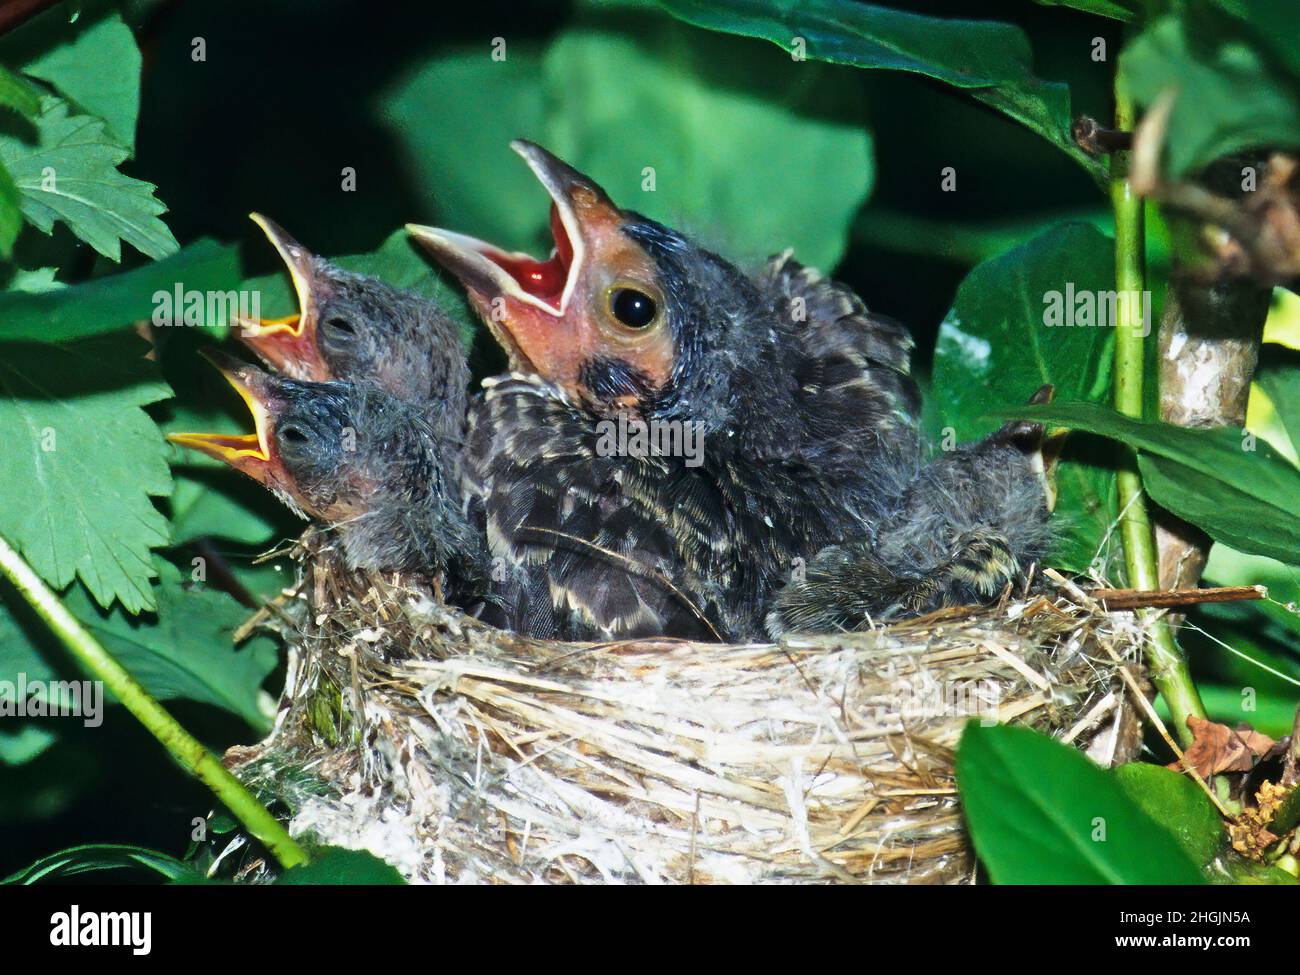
point(1113, 599)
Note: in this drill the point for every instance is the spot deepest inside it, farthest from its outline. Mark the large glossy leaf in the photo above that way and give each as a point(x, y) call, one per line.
point(994, 351)
point(335, 865)
point(989, 59)
point(76, 437)
point(716, 124)
point(1232, 94)
point(1236, 487)
point(722, 122)
point(1177, 803)
point(1041, 813)
point(114, 301)
point(1125, 10)
point(69, 173)
point(182, 650)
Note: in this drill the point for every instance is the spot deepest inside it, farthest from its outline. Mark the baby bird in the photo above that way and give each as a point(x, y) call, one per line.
point(968, 525)
point(675, 433)
point(357, 459)
point(356, 328)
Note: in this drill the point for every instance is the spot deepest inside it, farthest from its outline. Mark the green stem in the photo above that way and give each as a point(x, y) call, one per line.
point(186, 749)
point(1165, 659)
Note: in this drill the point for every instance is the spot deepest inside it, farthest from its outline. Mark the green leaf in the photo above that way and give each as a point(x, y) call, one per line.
point(11, 213)
point(336, 865)
point(182, 650)
point(1232, 97)
point(1041, 813)
point(93, 61)
point(991, 60)
point(456, 148)
point(1177, 803)
point(77, 440)
point(20, 745)
point(719, 124)
point(1244, 497)
point(1102, 8)
point(70, 174)
point(994, 350)
point(98, 857)
point(715, 124)
point(1224, 511)
point(17, 94)
point(1229, 567)
point(115, 301)
point(1280, 382)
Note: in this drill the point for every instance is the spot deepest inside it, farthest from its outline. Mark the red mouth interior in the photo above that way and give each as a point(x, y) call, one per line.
point(542, 279)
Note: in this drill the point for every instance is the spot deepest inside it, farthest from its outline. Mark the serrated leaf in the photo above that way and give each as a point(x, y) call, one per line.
point(1240, 492)
point(82, 462)
point(994, 350)
point(1176, 803)
point(989, 59)
point(93, 61)
point(70, 174)
point(114, 301)
point(181, 650)
point(1041, 813)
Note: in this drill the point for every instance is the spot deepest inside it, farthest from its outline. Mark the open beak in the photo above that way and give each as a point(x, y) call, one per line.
point(289, 344)
point(536, 293)
point(249, 453)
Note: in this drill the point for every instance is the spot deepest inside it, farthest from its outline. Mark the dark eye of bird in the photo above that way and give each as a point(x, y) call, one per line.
point(633, 308)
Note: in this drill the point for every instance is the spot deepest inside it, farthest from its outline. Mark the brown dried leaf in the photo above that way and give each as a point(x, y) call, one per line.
point(1217, 748)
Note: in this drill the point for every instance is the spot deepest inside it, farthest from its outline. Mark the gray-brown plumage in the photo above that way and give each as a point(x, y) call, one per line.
point(360, 461)
point(356, 328)
point(797, 393)
point(967, 525)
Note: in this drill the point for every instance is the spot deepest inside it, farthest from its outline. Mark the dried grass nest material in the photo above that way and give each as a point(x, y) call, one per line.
point(462, 754)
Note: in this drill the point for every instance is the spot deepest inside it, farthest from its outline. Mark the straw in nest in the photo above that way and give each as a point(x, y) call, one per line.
point(460, 753)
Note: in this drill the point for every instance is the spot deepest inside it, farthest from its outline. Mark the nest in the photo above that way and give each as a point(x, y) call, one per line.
point(461, 754)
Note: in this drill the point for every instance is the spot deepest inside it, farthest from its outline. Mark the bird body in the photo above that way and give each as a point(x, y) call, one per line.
point(801, 399)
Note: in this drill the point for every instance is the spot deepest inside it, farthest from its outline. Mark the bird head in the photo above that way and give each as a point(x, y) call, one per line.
point(625, 314)
point(311, 444)
point(354, 327)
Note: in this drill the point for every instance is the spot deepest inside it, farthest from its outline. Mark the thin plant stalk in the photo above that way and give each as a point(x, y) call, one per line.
point(1169, 671)
point(183, 746)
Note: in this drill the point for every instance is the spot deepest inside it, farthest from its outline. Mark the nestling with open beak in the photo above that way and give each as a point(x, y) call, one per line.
point(801, 397)
point(359, 460)
point(356, 328)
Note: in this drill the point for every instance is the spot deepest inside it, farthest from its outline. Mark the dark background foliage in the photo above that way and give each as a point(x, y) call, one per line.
point(293, 92)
